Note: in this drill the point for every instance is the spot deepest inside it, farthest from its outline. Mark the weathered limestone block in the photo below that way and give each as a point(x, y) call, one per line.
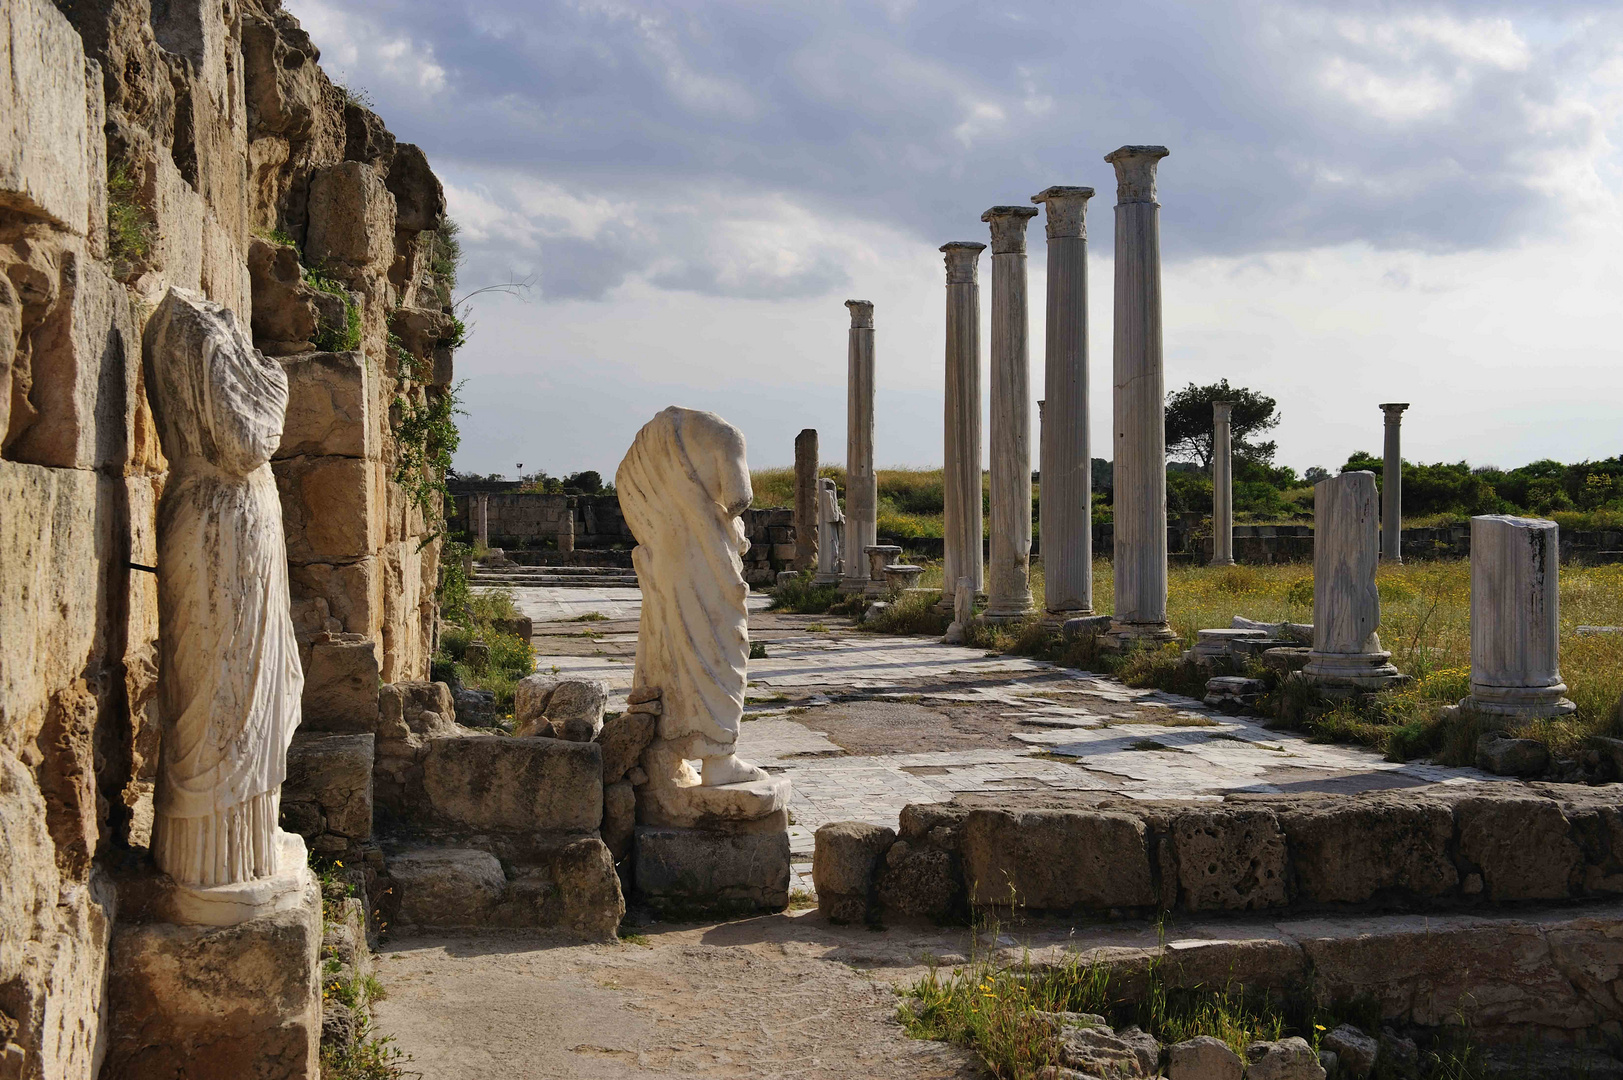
point(1345, 853)
point(623, 740)
point(56, 550)
point(1521, 846)
point(352, 217)
point(573, 888)
point(504, 784)
point(83, 408)
point(576, 709)
point(233, 1003)
point(328, 407)
point(420, 330)
point(1355, 1052)
point(1503, 756)
point(845, 865)
point(423, 709)
point(1203, 1058)
point(334, 773)
point(335, 598)
point(447, 886)
point(419, 198)
point(680, 869)
point(1288, 1059)
point(1229, 859)
point(919, 881)
point(366, 138)
point(341, 685)
point(1057, 859)
point(332, 507)
point(285, 315)
point(49, 151)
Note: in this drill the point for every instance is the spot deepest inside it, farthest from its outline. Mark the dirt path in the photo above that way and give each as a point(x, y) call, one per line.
point(782, 996)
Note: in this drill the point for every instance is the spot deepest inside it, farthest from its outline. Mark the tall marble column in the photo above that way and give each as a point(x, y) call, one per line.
point(1515, 621)
point(1392, 485)
point(484, 520)
point(806, 499)
point(961, 482)
point(1066, 455)
point(861, 485)
point(1346, 608)
point(1140, 450)
point(1009, 573)
point(1222, 486)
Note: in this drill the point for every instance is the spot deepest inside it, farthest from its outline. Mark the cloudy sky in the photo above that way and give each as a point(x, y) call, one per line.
point(1364, 203)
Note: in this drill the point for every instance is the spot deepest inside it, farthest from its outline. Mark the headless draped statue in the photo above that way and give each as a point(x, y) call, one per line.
point(682, 486)
point(229, 674)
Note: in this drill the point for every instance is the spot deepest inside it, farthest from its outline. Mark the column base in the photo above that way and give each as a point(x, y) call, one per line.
point(1000, 618)
point(1222, 562)
point(1124, 635)
point(1503, 707)
point(1056, 619)
point(1357, 671)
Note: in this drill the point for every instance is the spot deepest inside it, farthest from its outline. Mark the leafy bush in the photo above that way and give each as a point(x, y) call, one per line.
point(800, 596)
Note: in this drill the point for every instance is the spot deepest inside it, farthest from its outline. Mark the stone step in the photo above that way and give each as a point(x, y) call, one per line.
point(556, 582)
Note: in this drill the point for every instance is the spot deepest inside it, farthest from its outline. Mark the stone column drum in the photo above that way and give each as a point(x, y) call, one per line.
point(1392, 485)
point(1346, 608)
point(1515, 621)
point(1066, 456)
point(1140, 458)
point(806, 499)
point(1222, 486)
point(961, 488)
point(1009, 573)
point(861, 485)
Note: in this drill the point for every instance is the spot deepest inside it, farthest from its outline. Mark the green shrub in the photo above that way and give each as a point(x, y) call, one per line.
point(800, 596)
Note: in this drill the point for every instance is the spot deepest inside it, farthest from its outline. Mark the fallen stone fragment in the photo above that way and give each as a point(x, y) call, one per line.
point(1355, 1052)
point(1203, 1058)
point(1287, 1059)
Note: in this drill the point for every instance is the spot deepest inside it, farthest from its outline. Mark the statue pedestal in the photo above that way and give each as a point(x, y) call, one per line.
point(228, 905)
point(227, 1001)
point(713, 850)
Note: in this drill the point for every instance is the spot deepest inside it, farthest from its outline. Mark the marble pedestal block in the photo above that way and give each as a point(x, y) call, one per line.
point(902, 577)
point(1515, 621)
point(715, 871)
point(240, 1002)
point(1346, 608)
point(879, 556)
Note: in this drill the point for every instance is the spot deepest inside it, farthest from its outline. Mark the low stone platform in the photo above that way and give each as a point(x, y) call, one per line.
point(1431, 849)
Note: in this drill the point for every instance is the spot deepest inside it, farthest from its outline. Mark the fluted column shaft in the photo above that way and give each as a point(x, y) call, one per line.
point(862, 486)
point(1516, 621)
point(1066, 455)
point(1008, 584)
point(961, 486)
point(1346, 606)
point(1140, 457)
point(1222, 486)
point(1392, 485)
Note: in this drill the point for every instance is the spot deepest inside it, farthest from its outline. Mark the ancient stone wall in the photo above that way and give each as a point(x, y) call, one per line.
point(196, 145)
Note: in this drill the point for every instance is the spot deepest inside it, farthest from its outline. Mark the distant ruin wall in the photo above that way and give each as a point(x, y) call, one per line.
point(195, 145)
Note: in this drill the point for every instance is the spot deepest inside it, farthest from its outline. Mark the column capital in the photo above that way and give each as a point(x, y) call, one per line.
point(861, 314)
point(1222, 411)
point(1394, 411)
point(1067, 210)
point(1135, 172)
point(1009, 228)
point(963, 260)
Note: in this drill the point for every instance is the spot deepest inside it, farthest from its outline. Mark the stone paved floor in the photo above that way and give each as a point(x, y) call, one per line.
point(865, 724)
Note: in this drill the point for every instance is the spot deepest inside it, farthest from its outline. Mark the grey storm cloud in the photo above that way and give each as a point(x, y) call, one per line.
point(1292, 126)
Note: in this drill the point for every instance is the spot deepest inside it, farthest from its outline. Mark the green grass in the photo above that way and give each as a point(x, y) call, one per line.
point(511, 657)
point(995, 1010)
point(130, 228)
point(1425, 623)
point(333, 338)
point(799, 596)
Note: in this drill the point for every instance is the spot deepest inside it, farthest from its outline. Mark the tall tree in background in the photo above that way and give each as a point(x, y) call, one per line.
point(1189, 423)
